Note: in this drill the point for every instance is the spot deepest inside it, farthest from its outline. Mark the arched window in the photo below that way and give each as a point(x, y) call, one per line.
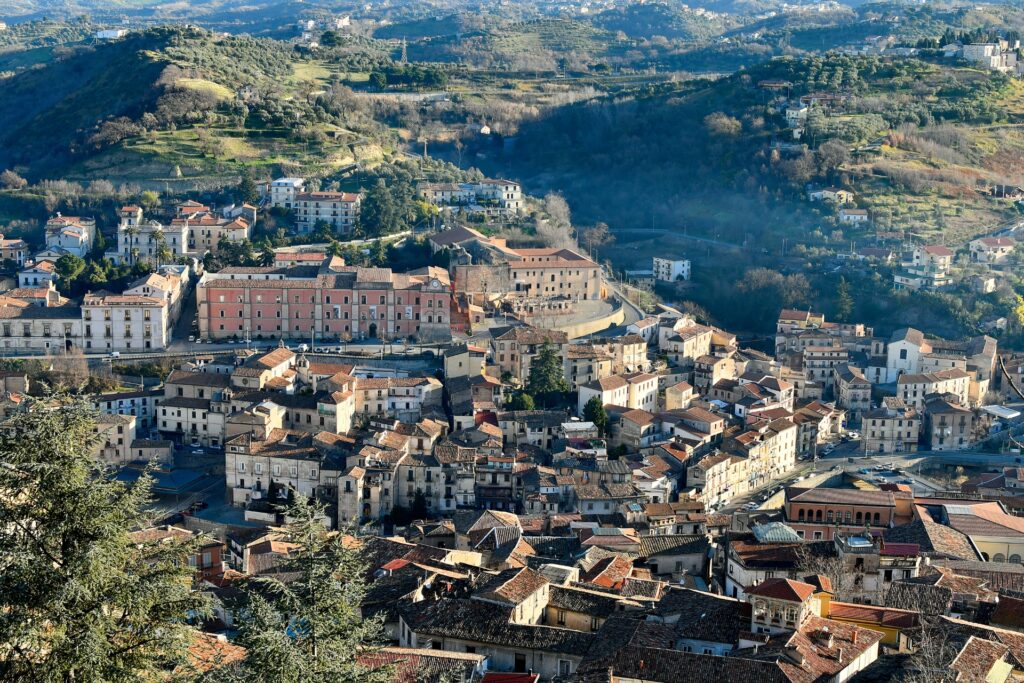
point(1015, 558)
point(800, 515)
point(999, 557)
point(860, 517)
point(817, 516)
point(878, 519)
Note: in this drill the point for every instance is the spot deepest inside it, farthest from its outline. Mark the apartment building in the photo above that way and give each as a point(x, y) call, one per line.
point(488, 196)
point(513, 349)
point(852, 389)
point(927, 268)
point(332, 301)
point(194, 407)
point(670, 270)
point(39, 328)
point(636, 391)
point(149, 241)
point(948, 425)
point(403, 398)
point(70, 234)
point(914, 389)
point(819, 363)
point(12, 249)
point(283, 191)
point(340, 210)
point(284, 458)
point(125, 322)
point(891, 428)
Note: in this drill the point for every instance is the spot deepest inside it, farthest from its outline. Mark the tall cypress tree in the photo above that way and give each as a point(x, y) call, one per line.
point(79, 600)
point(547, 377)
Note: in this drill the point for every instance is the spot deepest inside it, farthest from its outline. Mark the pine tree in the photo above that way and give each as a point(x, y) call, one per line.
point(844, 301)
point(309, 628)
point(78, 599)
point(547, 379)
point(593, 411)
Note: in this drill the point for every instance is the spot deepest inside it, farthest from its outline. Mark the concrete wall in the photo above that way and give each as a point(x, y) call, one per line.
point(582, 329)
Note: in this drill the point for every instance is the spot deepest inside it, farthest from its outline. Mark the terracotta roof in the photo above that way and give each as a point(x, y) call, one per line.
point(870, 614)
point(782, 589)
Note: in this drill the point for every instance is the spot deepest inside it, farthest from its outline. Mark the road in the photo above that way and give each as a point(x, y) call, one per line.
point(854, 461)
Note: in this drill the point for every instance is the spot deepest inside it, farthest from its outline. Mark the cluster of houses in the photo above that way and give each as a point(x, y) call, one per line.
point(533, 542)
point(34, 317)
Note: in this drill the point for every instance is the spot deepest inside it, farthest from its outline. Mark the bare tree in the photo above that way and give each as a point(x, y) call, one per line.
point(812, 558)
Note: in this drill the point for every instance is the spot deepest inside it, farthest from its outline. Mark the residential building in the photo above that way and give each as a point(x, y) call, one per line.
point(513, 349)
point(914, 389)
point(125, 322)
point(892, 428)
point(948, 425)
point(853, 216)
point(491, 197)
point(70, 234)
point(671, 270)
point(15, 250)
point(283, 191)
point(992, 250)
point(194, 407)
point(265, 465)
point(339, 210)
point(40, 274)
point(928, 267)
point(635, 391)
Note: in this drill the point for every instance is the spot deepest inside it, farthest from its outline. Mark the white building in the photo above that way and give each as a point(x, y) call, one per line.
point(284, 190)
point(670, 270)
point(70, 234)
point(139, 240)
point(637, 390)
point(123, 322)
point(39, 275)
point(340, 210)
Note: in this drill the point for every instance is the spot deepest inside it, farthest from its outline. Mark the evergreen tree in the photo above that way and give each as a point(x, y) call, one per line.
point(79, 601)
point(420, 509)
point(520, 401)
point(844, 301)
point(593, 411)
point(547, 379)
point(310, 627)
point(247, 190)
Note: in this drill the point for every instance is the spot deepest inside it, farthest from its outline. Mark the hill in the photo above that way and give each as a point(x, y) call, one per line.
point(173, 103)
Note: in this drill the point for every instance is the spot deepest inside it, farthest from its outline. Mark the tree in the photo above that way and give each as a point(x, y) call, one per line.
point(79, 601)
point(597, 236)
point(593, 411)
point(844, 301)
point(419, 509)
point(12, 181)
point(68, 267)
point(722, 125)
point(310, 628)
point(247, 190)
point(547, 378)
point(520, 401)
point(149, 200)
point(386, 210)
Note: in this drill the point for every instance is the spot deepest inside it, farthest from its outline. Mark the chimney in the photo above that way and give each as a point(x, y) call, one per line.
point(853, 638)
point(839, 655)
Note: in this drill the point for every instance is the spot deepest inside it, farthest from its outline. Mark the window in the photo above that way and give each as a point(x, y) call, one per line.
point(561, 617)
point(564, 667)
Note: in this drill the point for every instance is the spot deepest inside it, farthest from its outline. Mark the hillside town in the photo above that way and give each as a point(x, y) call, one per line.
point(546, 481)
